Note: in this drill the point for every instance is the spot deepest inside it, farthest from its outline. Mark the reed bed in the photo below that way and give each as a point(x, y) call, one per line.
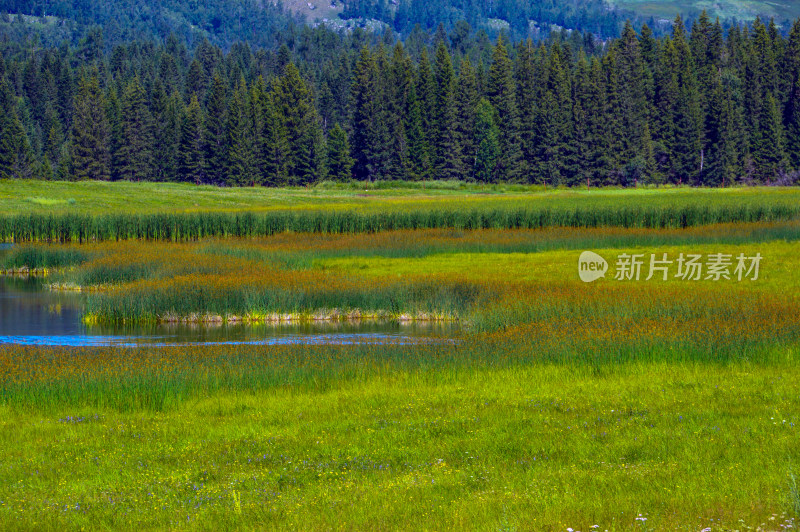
point(311, 276)
point(192, 226)
point(554, 327)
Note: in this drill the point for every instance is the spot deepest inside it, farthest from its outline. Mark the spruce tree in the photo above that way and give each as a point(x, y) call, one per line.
point(192, 148)
point(770, 143)
point(556, 110)
point(400, 82)
point(502, 95)
point(216, 135)
point(611, 164)
point(633, 109)
point(136, 150)
point(791, 59)
point(598, 164)
point(365, 141)
point(240, 156)
point(340, 163)
point(687, 115)
point(418, 149)
point(274, 146)
point(527, 95)
point(90, 157)
point(487, 142)
point(168, 111)
point(258, 109)
point(580, 161)
point(294, 105)
point(16, 158)
point(114, 114)
point(446, 150)
point(426, 95)
point(466, 102)
point(792, 121)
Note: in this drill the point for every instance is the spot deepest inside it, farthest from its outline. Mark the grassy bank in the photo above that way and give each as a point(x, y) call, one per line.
point(160, 212)
point(96, 197)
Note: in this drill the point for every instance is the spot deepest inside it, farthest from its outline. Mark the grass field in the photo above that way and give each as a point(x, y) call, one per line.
point(120, 211)
point(98, 197)
point(614, 405)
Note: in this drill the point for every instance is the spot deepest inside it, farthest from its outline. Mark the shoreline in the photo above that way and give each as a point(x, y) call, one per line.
point(332, 316)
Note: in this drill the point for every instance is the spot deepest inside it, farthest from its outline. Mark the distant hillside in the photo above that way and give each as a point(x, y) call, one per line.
point(315, 10)
point(724, 9)
point(222, 22)
point(270, 23)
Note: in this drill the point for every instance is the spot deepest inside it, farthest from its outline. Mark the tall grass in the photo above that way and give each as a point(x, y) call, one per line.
point(303, 295)
point(41, 257)
point(162, 378)
point(192, 226)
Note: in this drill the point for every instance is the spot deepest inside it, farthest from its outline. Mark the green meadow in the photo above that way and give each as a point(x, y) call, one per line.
point(96, 197)
point(552, 404)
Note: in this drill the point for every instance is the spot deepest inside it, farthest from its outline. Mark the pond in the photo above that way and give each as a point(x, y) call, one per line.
point(30, 314)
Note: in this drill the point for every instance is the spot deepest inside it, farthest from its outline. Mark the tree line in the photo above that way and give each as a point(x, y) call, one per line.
point(700, 107)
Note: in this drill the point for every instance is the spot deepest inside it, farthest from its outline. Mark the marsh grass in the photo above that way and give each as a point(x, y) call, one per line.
point(561, 405)
point(629, 209)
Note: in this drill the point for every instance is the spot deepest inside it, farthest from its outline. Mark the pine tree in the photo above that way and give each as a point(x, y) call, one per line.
point(555, 123)
point(466, 103)
point(426, 95)
point(192, 149)
point(258, 109)
point(418, 149)
point(502, 95)
point(136, 151)
point(580, 161)
point(365, 143)
point(769, 148)
point(792, 121)
point(216, 136)
point(687, 115)
point(791, 59)
point(446, 150)
point(167, 135)
point(53, 134)
point(610, 162)
point(528, 93)
point(16, 158)
point(114, 115)
point(240, 156)
point(271, 145)
point(400, 82)
point(340, 163)
point(631, 78)
point(725, 135)
point(487, 142)
point(91, 157)
point(598, 163)
point(195, 79)
point(294, 105)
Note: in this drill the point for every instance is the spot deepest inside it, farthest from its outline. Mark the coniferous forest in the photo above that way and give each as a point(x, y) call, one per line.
point(704, 105)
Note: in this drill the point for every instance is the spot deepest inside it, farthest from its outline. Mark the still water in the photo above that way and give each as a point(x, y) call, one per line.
point(32, 315)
